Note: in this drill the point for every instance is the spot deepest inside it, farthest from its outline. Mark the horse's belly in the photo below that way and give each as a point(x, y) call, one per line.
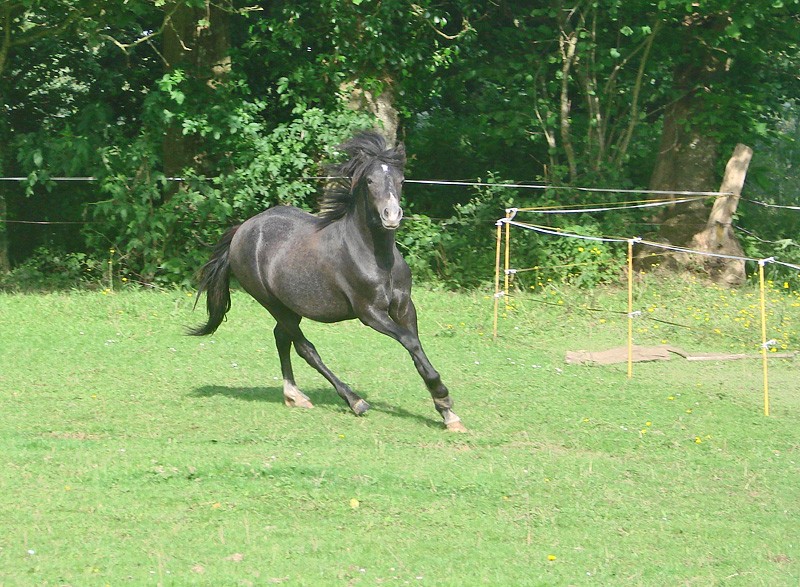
point(317, 303)
point(308, 288)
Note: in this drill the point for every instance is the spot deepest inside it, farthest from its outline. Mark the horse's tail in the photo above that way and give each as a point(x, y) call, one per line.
point(215, 277)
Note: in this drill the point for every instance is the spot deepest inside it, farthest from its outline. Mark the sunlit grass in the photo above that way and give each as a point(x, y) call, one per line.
point(132, 454)
point(701, 315)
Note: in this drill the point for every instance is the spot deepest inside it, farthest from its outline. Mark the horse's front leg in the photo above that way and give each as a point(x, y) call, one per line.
point(403, 328)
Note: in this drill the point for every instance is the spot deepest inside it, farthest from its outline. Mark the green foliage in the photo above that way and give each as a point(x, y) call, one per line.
point(571, 93)
point(316, 52)
point(48, 269)
point(771, 231)
point(581, 262)
point(468, 247)
point(419, 239)
point(460, 251)
point(162, 230)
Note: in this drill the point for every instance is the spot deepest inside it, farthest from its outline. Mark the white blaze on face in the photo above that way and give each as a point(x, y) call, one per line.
point(392, 196)
point(393, 213)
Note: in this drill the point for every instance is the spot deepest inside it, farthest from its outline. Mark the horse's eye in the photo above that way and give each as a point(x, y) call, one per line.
point(369, 181)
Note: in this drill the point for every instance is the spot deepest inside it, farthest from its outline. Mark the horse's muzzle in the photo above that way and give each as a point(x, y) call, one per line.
point(391, 217)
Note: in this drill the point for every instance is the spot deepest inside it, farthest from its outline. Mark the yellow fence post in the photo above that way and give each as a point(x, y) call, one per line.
point(630, 309)
point(497, 294)
point(509, 215)
point(764, 343)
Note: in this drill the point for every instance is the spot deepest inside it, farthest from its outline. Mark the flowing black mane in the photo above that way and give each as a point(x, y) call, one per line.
point(365, 150)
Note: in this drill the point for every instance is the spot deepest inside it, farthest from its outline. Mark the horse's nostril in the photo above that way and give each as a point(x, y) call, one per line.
point(392, 213)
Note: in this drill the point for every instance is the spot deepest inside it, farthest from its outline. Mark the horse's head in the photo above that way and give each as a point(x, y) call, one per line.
point(371, 180)
point(383, 186)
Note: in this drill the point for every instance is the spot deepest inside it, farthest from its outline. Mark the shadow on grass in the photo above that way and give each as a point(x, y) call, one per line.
point(430, 422)
point(318, 397)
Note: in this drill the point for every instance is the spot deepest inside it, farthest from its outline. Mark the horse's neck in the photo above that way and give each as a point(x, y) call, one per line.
point(369, 242)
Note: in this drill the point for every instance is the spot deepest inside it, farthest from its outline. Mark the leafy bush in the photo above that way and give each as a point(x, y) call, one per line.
point(48, 269)
point(468, 238)
point(460, 251)
point(420, 241)
point(162, 231)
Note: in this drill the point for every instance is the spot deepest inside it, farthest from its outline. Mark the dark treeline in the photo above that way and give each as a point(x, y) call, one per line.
point(246, 101)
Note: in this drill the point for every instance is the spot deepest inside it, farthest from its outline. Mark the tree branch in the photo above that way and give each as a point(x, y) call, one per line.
point(465, 24)
point(637, 89)
point(147, 38)
point(41, 33)
point(6, 43)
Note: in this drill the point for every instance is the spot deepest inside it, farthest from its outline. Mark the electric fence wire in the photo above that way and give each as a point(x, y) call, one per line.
point(639, 315)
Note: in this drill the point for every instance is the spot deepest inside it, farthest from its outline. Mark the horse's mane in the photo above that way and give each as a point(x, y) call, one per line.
point(365, 150)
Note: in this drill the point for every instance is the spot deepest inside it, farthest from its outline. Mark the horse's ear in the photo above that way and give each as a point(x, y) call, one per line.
point(400, 152)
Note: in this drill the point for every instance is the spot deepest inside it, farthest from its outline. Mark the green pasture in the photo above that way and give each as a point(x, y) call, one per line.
point(131, 454)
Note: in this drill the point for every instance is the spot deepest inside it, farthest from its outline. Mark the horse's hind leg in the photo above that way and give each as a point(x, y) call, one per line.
point(292, 396)
point(289, 326)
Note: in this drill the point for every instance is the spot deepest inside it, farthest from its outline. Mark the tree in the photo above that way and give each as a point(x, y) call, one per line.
point(196, 43)
point(21, 25)
point(65, 94)
point(560, 91)
point(244, 104)
point(730, 80)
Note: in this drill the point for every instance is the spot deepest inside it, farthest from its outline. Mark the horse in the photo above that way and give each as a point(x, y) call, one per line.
point(341, 264)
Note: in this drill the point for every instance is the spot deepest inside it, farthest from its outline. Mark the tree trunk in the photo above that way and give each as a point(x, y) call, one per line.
point(5, 263)
point(688, 151)
point(718, 236)
point(568, 42)
point(197, 41)
point(381, 106)
point(686, 161)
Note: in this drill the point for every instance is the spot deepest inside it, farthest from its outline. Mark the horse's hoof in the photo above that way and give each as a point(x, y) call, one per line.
point(298, 403)
point(456, 426)
point(293, 397)
point(360, 407)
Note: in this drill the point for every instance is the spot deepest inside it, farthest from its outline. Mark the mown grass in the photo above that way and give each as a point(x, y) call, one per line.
point(132, 454)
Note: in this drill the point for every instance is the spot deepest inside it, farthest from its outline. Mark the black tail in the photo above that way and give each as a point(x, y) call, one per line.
point(215, 277)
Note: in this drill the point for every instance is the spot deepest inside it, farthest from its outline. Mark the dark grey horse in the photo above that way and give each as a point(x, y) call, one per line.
point(339, 265)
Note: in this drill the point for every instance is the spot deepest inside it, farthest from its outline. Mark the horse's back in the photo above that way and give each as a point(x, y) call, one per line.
point(280, 218)
point(270, 229)
point(281, 255)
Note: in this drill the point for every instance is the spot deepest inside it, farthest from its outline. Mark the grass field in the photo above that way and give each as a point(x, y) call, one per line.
point(133, 455)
